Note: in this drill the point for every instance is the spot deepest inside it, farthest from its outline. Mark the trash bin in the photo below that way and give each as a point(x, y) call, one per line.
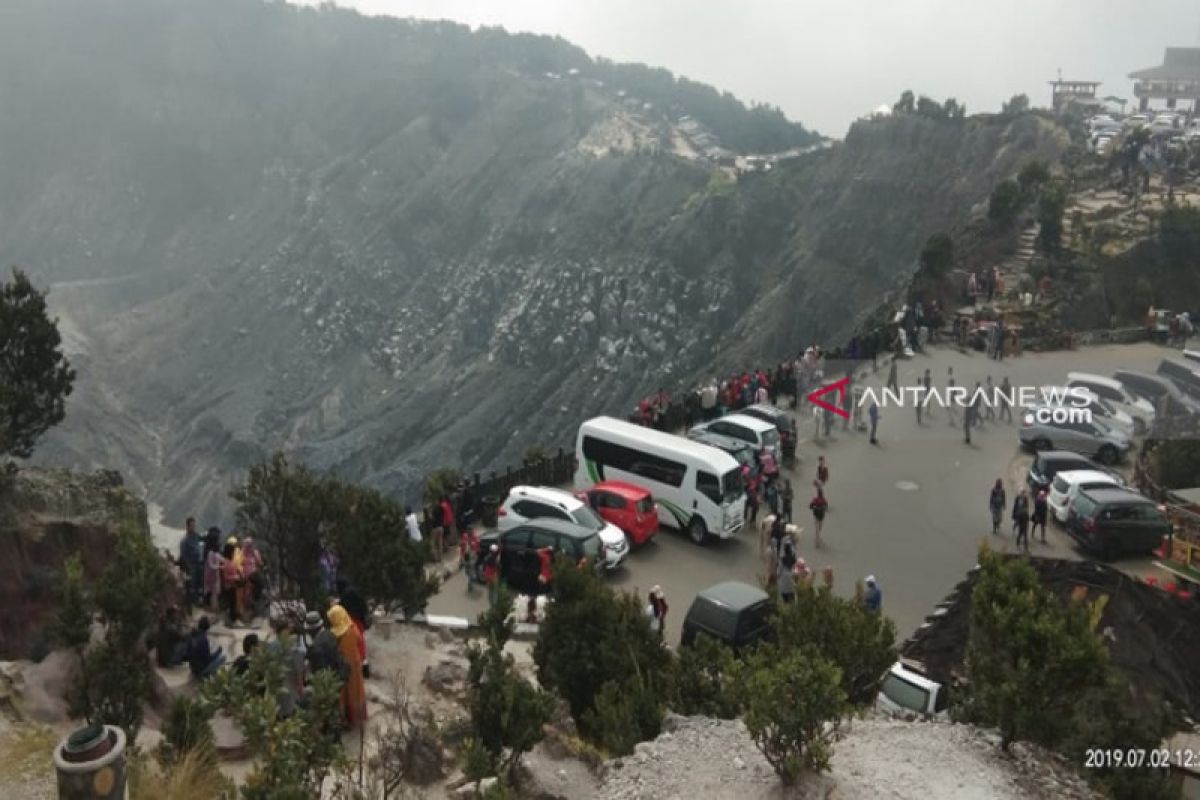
point(91, 764)
point(489, 504)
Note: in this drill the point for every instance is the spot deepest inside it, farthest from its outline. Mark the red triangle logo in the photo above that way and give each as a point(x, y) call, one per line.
point(836, 386)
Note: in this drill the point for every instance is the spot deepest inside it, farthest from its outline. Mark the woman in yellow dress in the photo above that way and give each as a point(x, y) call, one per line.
point(354, 692)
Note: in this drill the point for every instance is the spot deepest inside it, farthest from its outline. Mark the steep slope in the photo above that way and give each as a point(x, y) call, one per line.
point(388, 246)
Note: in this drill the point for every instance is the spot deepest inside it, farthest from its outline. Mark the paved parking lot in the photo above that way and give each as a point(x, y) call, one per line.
point(912, 510)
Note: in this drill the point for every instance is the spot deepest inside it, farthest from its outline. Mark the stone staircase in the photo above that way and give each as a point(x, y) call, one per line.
point(1017, 265)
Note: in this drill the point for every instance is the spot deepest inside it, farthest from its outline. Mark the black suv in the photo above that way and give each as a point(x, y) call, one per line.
point(1048, 463)
point(519, 562)
point(1113, 521)
point(734, 613)
point(1168, 399)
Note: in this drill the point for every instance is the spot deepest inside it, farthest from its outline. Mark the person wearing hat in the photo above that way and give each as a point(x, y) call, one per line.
point(354, 693)
point(656, 611)
point(872, 595)
point(491, 574)
point(231, 580)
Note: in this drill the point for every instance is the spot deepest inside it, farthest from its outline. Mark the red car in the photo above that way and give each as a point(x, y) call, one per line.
point(629, 507)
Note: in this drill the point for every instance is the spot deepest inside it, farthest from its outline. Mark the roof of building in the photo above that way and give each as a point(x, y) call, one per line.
point(1179, 64)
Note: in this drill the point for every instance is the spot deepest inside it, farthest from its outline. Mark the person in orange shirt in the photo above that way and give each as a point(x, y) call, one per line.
point(354, 693)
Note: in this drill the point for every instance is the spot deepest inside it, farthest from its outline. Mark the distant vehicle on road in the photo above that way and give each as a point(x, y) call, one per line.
point(1168, 399)
point(1089, 438)
point(697, 489)
point(734, 613)
point(1098, 408)
point(1116, 395)
point(1049, 463)
point(520, 565)
point(631, 508)
point(527, 503)
point(1113, 521)
point(1069, 483)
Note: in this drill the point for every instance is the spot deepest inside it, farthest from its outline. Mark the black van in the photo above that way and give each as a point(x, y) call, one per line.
point(1114, 521)
point(1048, 463)
point(1182, 374)
point(734, 613)
point(519, 562)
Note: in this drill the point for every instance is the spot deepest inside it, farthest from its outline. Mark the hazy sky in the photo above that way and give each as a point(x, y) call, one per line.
point(825, 63)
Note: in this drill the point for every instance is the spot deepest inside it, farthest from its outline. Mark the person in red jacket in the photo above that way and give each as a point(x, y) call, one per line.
point(545, 565)
point(449, 524)
point(491, 574)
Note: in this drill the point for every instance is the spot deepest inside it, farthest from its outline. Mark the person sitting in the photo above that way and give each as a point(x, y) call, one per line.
point(170, 640)
point(241, 664)
point(201, 657)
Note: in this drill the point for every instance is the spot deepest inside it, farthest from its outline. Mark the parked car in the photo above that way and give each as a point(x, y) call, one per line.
point(907, 689)
point(629, 507)
point(734, 613)
point(743, 452)
point(1168, 399)
point(1114, 521)
point(520, 565)
point(1068, 483)
point(1116, 394)
point(1089, 438)
point(783, 421)
point(1191, 355)
point(752, 430)
point(527, 503)
point(1099, 408)
point(1183, 374)
point(1049, 463)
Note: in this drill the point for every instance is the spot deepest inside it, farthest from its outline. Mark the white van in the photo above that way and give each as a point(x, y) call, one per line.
point(907, 689)
point(697, 488)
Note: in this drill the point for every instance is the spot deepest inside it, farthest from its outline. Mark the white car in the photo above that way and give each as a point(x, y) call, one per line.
point(526, 503)
point(907, 690)
point(1066, 485)
point(1101, 409)
point(1118, 396)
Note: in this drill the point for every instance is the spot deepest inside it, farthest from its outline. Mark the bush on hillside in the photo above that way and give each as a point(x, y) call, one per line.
point(1177, 463)
point(860, 643)
point(72, 626)
point(794, 704)
point(1005, 203)
point(592, 637)
point(706, 680)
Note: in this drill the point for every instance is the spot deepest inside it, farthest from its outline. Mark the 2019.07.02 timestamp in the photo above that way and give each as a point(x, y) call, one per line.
point(1135, 758)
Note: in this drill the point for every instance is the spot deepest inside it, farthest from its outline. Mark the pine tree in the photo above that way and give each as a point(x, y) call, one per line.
point(35, 378)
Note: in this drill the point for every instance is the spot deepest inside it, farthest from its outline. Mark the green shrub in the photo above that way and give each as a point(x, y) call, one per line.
point(706, 680)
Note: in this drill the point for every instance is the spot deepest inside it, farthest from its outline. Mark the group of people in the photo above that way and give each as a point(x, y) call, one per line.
point(1022, 513)
point(988, 283)
point(228, 576)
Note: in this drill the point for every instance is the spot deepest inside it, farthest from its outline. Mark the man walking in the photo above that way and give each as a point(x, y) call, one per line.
point(920, 400)
point(893, 381)
point(997, 501)
point(1006, 399)
point(1040, 512)
point(873, 413)
point(1021, 520)
point(927, 382)
point(951, 403)
point(191, 561)
point(872, 595)
point(990, 409)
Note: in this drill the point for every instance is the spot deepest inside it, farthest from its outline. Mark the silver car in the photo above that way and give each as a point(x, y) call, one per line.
point(1093, 439)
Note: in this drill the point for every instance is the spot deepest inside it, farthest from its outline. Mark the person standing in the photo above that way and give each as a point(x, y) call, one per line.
point(354, 693)
point(212, 567)
point(191, 561)
point(786, 496)
point(656, 611)
point(1005, 399)
point(822, 473)
point(872, 595)
point(927, 382)
point(1020, 516)
point(818, 505)
point(468, 554)
point(873, 414)
point(437, 533)
point(412, 525)
point(997, 502)
point(449, 523)
point(752, 499)
point(1040, 512)
point(785, 579)
point(951, 403)
point(920, 401)
point(352, 600)
point(231, 580)
point(990, 392)
point(491, 574)
point(893, 381)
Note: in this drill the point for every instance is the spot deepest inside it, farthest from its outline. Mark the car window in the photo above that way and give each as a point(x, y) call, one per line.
point(546, 510)
point(719, 427)
point(614, 501)
point(745, 434)
point(771, 437)
point(1148, 513)
point(1060, 485)
point(708, 485)
point(591, 547)
point(516, 538)
point(1116, 513)
point(905, 694)
point(542, 539)
point(525, 508)
point(587, 518)
point(1084, 506)
point(752, 623)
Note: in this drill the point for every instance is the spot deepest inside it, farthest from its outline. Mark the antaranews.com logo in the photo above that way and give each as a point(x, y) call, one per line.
point(1044, 405)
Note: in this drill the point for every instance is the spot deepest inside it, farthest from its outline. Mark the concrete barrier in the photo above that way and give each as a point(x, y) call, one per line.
point(91, 764)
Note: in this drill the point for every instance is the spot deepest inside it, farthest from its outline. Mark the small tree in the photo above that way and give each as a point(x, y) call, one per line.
point(591, 637)
point(706, 680)
point(937, 256)
point(906, 104)
point(129, 595)
point(507, 712)
point(1032, 177)
point(794, 704)
point(1051, 203)
point(73, 620)
point(928, 107)
point(1017, 104)
point(440, 483)
point(115, 683)
point(1005, 203)
point(860, 643)
point(1177, 462)
point(35, 378)
point(187, 729)
point(292, 756)
point(1030, 658)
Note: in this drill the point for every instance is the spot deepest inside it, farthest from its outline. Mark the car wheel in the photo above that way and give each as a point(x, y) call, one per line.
point(696, 531)
point(1041, 444)
point(1107, 454)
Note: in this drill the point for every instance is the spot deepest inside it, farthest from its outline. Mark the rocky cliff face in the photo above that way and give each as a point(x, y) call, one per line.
point(391, 246)
point(46, 516)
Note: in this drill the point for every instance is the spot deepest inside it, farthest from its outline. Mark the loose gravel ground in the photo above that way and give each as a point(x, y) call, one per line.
point(878, 759)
